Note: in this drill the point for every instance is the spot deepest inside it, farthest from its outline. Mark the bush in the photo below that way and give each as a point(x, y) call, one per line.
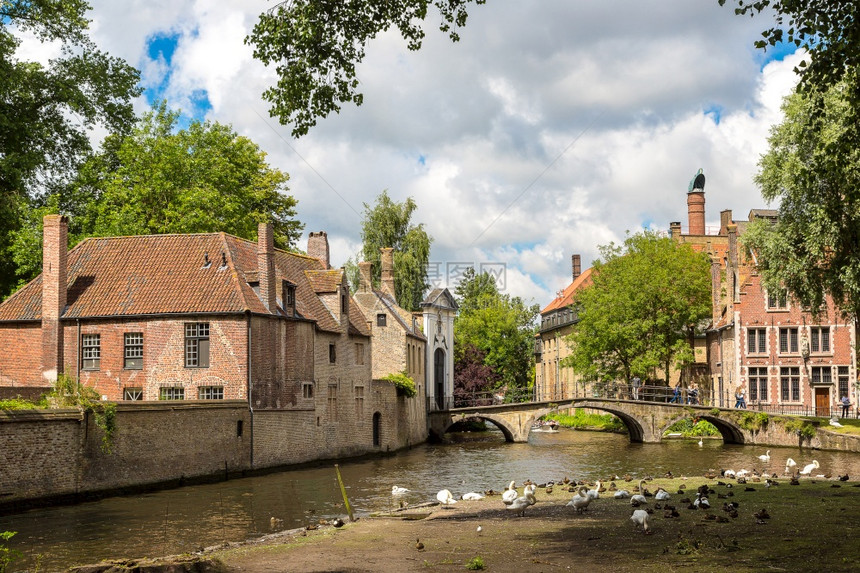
point(688, 427)
point(799, 426)
point(404, 384)
point(475, 564)
point(7, 555)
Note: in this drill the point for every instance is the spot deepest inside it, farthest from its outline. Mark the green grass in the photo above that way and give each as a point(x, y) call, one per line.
point(582, 420)
point(689, 428)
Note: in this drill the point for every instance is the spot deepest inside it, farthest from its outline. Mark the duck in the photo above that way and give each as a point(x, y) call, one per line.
point(640, 519)
point(701, 502)
point(418, 545)
point(509, 494)
point(397, 490)
point(807, 469)
point(520, 504)
point(661, 495)
point(445, 497)
point(580, 501)
point(472, 496)
point(276, 523)
point(595, 493)
point(765, 457)
point(790, 464)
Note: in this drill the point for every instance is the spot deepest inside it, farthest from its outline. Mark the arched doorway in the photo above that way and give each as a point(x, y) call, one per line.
point(439, 377)
point(377, 429)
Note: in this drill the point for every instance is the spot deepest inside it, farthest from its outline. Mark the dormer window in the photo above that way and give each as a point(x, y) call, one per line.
point(288, 297)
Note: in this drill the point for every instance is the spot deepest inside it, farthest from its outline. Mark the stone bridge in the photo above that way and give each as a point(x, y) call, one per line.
point(645, 421)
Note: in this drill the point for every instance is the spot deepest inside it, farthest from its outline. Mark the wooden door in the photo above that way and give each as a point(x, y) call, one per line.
point(822, 402)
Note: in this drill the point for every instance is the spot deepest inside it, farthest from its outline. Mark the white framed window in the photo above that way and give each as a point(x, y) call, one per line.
point(171, 393)
point(821, 375)
point(197, 345)
point(756, 340)
point(758, 384)
point(133, 351)
point(842, 380)
point(819, 339)
point(132, 393)
point(210, 393)
point(789, 340)
point(777, 300)
point(91, 351)
point(789, 383)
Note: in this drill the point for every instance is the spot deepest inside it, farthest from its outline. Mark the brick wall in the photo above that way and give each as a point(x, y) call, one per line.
point(21, 365)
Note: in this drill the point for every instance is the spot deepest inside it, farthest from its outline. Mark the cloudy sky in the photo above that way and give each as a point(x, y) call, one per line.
point(552, 127)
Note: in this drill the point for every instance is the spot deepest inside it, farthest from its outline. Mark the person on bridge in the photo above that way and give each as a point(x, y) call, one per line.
point(693, 395)
point(676, 394)
point(636, 383)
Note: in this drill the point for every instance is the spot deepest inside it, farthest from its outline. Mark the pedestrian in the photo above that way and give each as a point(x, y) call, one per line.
point(743, 398)
point(636, 382)
point(739, 399)
point(846, 403)
point(693, 395)
point(676, 394)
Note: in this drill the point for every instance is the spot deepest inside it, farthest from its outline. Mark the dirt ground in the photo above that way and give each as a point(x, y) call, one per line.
point(812, 526)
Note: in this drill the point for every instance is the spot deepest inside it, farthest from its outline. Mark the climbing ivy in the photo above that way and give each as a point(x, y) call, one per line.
point(404, 384)
point(67, 393)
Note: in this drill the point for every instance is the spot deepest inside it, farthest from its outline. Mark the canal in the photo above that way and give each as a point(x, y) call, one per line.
point(188, 518)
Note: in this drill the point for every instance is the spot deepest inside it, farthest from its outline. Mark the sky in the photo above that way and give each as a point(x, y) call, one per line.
point(550, 129)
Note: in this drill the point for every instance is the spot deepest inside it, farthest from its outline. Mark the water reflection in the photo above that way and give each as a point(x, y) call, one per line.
point(185, 519)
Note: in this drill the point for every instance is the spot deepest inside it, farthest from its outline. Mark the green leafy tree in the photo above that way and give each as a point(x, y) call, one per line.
point(158, 179)
point(496, 327)
point(812, 168)
point(389, 224)
point(316, 46)
point(638, 314)
point(47, 110)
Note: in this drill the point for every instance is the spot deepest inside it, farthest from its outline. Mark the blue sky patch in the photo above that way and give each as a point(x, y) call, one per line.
point(162, 45)
point(775, 53)
point(714, 111)
point(422, 160)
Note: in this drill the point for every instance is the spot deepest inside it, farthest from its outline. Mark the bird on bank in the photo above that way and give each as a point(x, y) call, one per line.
point(701, 443)
point(445, 497)
point(594, 493)
point(520, 504)
point(639, 498)
point(807, 469)
point(790, 464)
point(509, 494)
point(661, 495)
point(418, 545)
point(472, 496)
point(621, 494)
point(640, 519)
point(580, 501)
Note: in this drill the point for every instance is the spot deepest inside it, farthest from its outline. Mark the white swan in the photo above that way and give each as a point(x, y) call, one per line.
point(397, 490)
point(521, 503)
point(790, 464)
point(445, 497)
point(621, 494)
point(530, 488)
point(595, 493)
point(580, 501)
point(661, 495)
point(808, 468)
point(510, 494)
point(640, 519)
point(473, 496)
point(639, 498)
point(765, 457)
point(701, 443)
point(729, 474)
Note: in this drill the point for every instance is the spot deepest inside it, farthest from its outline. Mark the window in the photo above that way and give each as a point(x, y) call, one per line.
point(92, 351)
point(788, 340)
point(756, 340)
point(758, 384)
point(821, 375)
point(344, 303)
point(171, 393)
point(359, 401)
point(777, 300)
point(331, 401)
point(789, 384)
point(210, 393)
point(332, 353)
point(381, 319)
point(842, 380)
point(420, 361)
point(133, 350)
point(197, 345)
point(359, 353)
point(307, 390)
point(819, 339)
point(288, 295)
point(132, 393)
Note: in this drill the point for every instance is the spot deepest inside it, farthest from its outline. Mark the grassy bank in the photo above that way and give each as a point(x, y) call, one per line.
point(582, 420)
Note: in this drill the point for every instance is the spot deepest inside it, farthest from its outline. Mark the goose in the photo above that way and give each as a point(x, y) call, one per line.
point(621, 494)
point(790, 464)
point(397, 490)
point(729, 474)
point(808, 468)
point(640, 518)
point(595, 493)
point(765, 457)
point(472, 496)
point(661, 495)
point(520, 504)
point(509, 494)
point(580, 501)
point(445, 497)
point(639, 499)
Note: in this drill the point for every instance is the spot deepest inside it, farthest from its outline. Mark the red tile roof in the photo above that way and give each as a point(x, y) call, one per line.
point(566, 297)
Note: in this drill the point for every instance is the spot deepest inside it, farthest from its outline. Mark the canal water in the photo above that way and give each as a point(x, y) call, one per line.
point(188, 518)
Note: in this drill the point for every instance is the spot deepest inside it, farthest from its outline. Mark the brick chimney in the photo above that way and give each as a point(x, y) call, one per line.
point(696, 204)
point(725, 221)
point(674, 229)
point(365, 283)
point(55, 244)
point(387, 257)
point(266, 266)
point(318, 247)
point(575, 266)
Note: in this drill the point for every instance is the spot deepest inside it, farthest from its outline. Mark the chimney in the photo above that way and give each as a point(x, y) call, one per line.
point(576, 266)
point(674, 229)
point(387, 257)
point(54, 289)
point(365, 283)
point(318, 247)
point(266, 266)
point(696, 204)
point(725, 221)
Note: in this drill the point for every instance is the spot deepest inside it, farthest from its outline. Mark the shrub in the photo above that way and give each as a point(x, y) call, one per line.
point(69, 394)
point(7, 555)
point(753, 421)
point(404, 384)
point(475, 564)
point(799, 426)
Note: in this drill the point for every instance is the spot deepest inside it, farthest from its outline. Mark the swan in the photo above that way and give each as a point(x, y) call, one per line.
point(808, 468)
point(397, 490)
point(531, 488)
point(701, 443)
point(445, 497)
point(640, 518)
point(472, 496)
point(639, 498)
point(790, 464)
point(661, 495)
point(729, 474)
point(765, 457)
point(510, 494)
point(580, 501)
point(621, 494)
point(594, 493)
point(520, 504)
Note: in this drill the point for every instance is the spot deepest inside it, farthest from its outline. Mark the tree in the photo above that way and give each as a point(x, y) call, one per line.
point(497, 327)
point(472, 375)
point(317, 44)
point(205, 178)
point(812, 168)
point(388, 224)
point(47, 110)
point(637, 315)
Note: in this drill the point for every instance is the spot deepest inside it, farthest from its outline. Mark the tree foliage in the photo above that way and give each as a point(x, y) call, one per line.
point(46, 110)
point(316, 46)
point(496, 326)
point(636, 316)
point(812, 168)
point(389, 224)
point(158, 179)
